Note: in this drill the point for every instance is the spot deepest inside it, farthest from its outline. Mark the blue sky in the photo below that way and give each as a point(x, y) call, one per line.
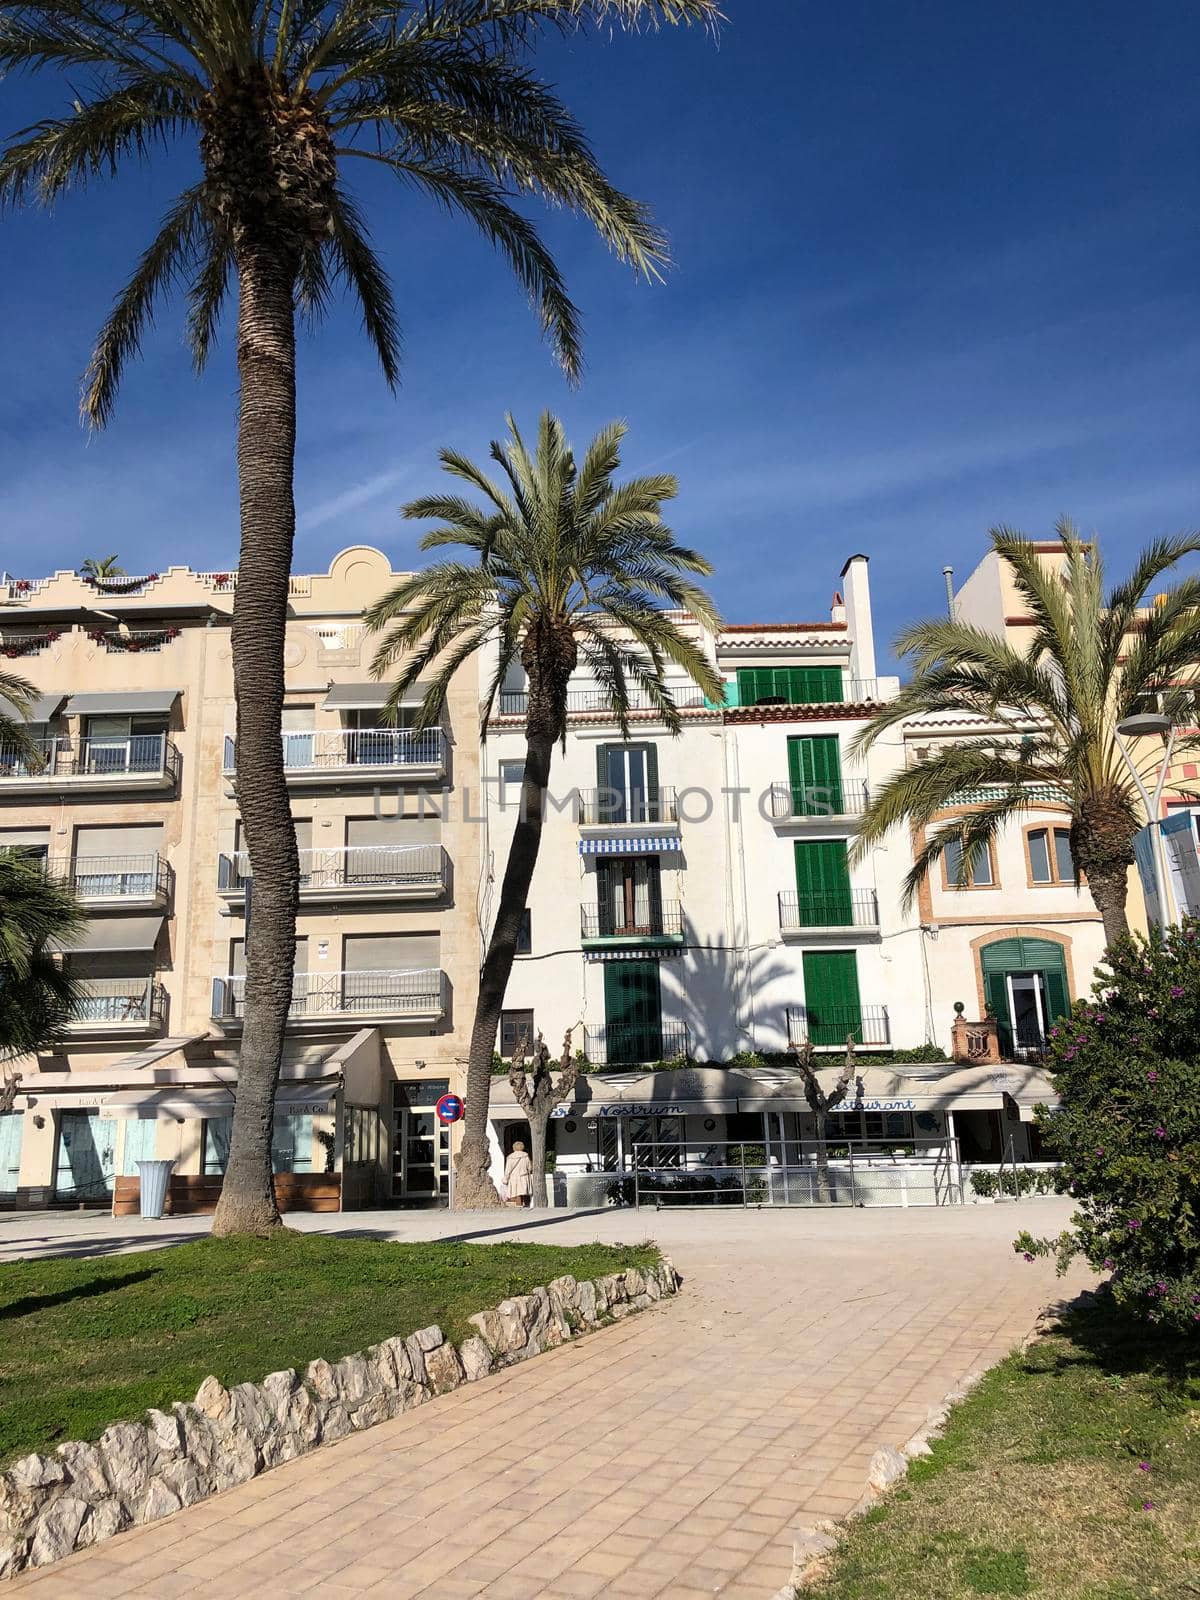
point(936, 269)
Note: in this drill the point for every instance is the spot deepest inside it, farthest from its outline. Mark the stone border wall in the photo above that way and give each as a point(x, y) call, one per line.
point(51, 1505)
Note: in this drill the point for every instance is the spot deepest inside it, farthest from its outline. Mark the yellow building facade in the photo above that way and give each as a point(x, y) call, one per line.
point(134, 800)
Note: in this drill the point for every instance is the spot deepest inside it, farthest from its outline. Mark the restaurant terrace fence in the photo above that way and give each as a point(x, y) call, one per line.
point(794, 1172)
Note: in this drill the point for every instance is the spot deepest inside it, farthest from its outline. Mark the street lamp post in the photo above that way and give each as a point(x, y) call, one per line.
point(1143, 726)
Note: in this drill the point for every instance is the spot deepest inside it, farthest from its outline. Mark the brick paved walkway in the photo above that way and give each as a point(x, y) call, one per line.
point(668, 1456)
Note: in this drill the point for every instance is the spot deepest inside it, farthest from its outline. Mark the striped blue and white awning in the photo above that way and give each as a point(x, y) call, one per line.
point(630, 952)
point(640, 844)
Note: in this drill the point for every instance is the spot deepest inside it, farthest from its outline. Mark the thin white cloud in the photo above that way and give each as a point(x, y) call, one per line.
point(359, 494)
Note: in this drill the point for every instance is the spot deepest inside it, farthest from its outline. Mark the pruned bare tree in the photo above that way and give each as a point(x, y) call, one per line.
point(537, 1094)
point(821, 1102)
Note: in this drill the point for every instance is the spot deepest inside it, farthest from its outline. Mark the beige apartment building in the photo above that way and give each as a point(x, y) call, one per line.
point(135, 800)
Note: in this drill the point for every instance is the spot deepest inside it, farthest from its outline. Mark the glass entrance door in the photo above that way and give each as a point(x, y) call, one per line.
point(420, 1143)
point(1026, 1007)
point(86, 1157)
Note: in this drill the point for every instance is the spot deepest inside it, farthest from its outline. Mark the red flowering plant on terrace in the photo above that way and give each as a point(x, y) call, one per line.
point(1126, 1065)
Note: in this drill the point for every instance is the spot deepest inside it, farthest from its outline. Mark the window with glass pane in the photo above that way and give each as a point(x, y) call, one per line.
point(1064, 862)
point(1039, 857)
point(525, 935)
point(515, 1025)
point(979, 874)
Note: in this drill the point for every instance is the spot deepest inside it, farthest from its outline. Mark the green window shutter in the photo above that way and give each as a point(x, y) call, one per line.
point(602, 766)
point(652, 814)
point(747, 683)
point(814, 685)
point(823, 883)
point(995, 992)
point(815, 774)
point(831, 996)
point(632, 1012)
point(1057, 1004)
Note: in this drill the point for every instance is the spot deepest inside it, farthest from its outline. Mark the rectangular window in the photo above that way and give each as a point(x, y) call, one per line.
point(512, 776)
point(514, 1026)
point(979, 873)
point(525, 934)
point(630, 896)
point(1050, 859)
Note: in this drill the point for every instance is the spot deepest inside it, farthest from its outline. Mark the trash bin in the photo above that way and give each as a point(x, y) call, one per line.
point(154, 1175)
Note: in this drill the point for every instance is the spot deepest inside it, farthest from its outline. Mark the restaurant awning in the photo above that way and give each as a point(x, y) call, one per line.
point(370, 696)
point(113, 934)
point(215, 1100)
point(623, 845)
point(137, 702)
point(41, 708)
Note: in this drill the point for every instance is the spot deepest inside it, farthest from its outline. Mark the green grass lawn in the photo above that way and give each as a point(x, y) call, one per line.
point(1071, 1473)
point(87, 1342)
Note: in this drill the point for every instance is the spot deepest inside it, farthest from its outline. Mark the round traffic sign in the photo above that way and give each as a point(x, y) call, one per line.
point(450, 1108)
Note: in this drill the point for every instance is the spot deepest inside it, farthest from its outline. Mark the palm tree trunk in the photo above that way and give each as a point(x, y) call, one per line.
point(1109, 886)
point(473, 1188)
point(266, 450)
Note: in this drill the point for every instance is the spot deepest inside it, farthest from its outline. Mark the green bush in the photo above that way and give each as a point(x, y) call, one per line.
point(1022, 1180)
point(1127, 1067)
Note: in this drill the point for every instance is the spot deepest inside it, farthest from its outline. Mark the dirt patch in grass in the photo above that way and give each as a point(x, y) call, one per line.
point(1071, 1473)
point(87, 1342)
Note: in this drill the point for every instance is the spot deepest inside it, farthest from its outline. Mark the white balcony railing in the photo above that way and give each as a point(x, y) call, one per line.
point(137, 756)
point(418, 993)
point(350, 750)
point(357, 867)
point(132, 877)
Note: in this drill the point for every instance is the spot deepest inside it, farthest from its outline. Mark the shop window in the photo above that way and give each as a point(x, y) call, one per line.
point(291, 1144)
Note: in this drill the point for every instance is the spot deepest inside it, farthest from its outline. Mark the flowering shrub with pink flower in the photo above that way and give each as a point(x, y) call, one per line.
point(1127, 1067)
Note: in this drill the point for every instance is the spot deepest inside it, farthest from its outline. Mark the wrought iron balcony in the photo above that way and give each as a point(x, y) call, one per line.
point(143, 879)
point(661, 922)
point(119, 1005)
point(818, 802)
point(417, 995)
point(358, 872)
point(102, 761)
point(853, 908)
point(614, 808)
point(346, 755)
point(612, 1044)
point(830, 1026)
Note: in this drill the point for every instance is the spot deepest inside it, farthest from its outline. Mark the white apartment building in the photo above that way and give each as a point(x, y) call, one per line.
point(695, 901)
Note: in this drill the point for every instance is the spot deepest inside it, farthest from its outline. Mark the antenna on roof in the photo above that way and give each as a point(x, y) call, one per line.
point(948, 574)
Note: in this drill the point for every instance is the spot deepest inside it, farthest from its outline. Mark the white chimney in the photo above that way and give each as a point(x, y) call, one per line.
point(856, 585)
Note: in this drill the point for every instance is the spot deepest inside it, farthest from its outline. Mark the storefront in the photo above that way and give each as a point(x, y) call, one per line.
point(75, 1138)
point(709, 1135)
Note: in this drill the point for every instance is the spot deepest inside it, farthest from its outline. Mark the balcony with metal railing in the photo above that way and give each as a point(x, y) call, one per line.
point(660, 924)
point(356, 755)
point(119, 1006)
point(133, 881)
point(612, 1044)
point(829, 1027)
point(357, 872)
point(848, 911)
point(594, 701)
point(618, 808)
point(842, 802)
point(320, 999)
point(142, 761)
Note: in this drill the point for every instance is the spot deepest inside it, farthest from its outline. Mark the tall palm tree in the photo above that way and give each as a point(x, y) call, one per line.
point(100, 568)
point(37, 993)
point(563, 563)
point(1092, 660)
point(279, 97)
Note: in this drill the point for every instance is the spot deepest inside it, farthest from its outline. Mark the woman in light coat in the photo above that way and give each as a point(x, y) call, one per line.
point(518, 1175)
